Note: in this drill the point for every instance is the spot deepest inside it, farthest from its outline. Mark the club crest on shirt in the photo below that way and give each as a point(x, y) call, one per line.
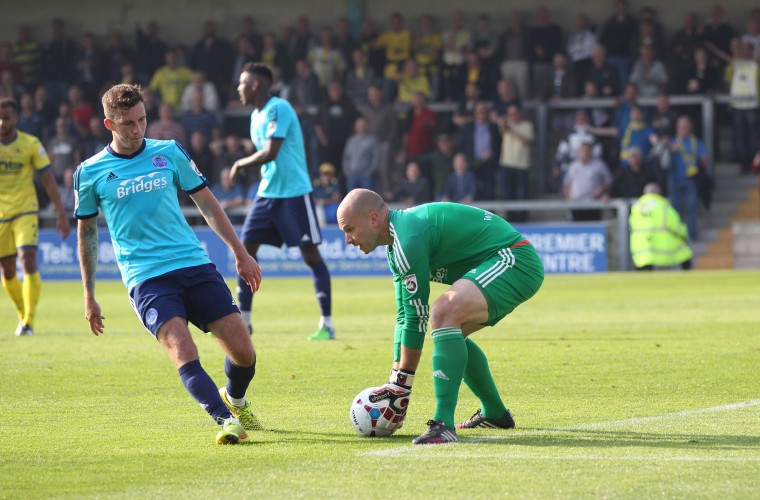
point(410, 282)
point(159, 161)
point(195, 168)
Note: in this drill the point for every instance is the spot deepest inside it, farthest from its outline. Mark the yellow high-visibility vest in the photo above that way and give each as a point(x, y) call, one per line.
point(658, 237)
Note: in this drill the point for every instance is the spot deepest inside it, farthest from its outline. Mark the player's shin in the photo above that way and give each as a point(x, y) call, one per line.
point(478, 378)
point(13, 287)
point(31, 292)
point(449, 363)
point(203, 390)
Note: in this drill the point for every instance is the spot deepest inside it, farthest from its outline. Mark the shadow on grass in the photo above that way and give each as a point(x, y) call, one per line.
point(614, 439)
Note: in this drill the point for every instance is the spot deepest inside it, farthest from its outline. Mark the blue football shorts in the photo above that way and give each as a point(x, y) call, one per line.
point(274, 221)
point(198, 294)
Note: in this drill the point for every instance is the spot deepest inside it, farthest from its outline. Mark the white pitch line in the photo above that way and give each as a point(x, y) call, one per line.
point(415, 451)
point(664, 416)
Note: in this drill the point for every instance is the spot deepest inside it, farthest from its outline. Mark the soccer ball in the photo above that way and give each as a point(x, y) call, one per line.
point(365, 414)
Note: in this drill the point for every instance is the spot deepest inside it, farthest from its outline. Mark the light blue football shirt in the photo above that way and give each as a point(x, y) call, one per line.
point(287, 175)
point(138, 196)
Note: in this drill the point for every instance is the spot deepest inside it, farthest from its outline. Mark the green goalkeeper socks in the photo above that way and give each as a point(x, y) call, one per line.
point(449, 362)
point(478, 378)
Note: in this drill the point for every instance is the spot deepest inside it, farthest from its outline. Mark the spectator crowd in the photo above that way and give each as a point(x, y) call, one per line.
point(433, 112)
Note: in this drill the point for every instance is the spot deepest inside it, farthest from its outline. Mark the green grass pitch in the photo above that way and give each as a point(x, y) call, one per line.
point(622, 385)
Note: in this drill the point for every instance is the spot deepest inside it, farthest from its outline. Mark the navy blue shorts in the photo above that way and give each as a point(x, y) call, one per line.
point(274, 221)
point(197, 294)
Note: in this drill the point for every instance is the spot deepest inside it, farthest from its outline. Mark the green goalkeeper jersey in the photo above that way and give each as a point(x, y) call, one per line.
point(438, 242)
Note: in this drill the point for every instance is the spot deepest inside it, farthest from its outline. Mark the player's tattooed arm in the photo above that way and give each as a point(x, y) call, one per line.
point(87, 246)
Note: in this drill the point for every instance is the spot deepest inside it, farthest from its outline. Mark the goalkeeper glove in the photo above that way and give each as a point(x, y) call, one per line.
point(397, 391)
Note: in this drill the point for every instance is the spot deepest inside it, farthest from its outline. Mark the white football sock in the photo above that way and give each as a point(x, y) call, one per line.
point(325, 321)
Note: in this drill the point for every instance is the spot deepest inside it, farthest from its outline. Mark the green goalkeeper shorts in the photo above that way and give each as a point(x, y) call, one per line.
point(508, 278)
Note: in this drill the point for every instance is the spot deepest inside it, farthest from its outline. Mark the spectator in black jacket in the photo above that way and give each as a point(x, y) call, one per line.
point(480, 140)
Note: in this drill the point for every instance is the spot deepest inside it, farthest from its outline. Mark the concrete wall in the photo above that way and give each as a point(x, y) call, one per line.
point(181, 20)
point(746, 245)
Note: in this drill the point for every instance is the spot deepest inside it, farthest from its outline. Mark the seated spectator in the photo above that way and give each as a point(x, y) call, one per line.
point(229, 151)
point(66, 190)
point(412, 81)
point(481, 141)
point(415, 189)
point(658, 237)
point(171, 79)
point(327, 194)
point(465, 111)
point(438, 165)
point(209, 97)
point(598, 116)
point(8, 87)
point(326, 61)
point(603, 74)
point(649, 74)
point(199, 119)
point(201, 154)
point(561, 84)
point(418, 137)
point(477, 73)
point(229, 194)
point(8, 64)
point(361, 157)
point(30, 120)
point(81, 110)
point(166, 128)
point(505, 97)
point(629, 182)
point(97, 138)
point(334, 122)
point(63, 149)
point(89, 67)
point(359, 78)
point(462, 185)
point(569, 148)
point(587, 179)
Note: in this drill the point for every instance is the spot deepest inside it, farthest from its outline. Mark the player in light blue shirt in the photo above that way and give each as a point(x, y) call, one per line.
point(170, 279)
point(283, 210)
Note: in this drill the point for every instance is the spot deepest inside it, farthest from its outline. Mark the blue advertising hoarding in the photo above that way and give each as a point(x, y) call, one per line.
point(564, 248)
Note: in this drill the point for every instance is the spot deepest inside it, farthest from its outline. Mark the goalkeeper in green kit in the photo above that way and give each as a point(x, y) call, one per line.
point(491, 268)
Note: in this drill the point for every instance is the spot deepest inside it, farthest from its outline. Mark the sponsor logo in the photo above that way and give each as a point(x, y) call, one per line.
point(488, 216)
point(439, 275)
point(142, 184)
point(111, 177)
point(305, 238)
point(410, 282)
point(151, 316)
point(439, 374)
point(41, 152)
point(159, 161)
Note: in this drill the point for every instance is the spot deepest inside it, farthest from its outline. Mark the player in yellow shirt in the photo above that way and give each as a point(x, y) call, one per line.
point(21, 155)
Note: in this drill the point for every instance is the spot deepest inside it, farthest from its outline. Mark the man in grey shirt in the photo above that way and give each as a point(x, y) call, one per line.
point(587, 179)
point(361, 157)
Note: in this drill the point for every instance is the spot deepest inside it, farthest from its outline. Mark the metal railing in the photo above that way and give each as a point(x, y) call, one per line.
point(543, 157)
point(619, 238)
